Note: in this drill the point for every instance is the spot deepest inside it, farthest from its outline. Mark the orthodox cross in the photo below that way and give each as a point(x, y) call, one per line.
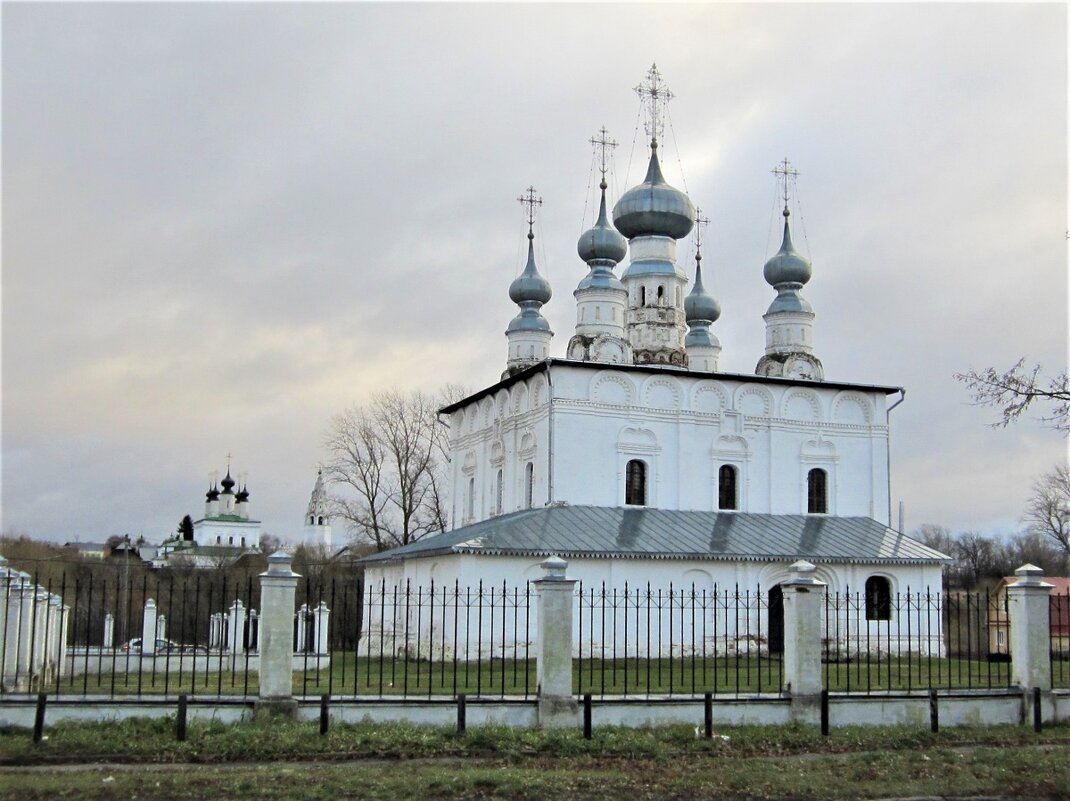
point(700, 225)
point(653, 94)
point(530, 203)
point(603, 141)
point(784, 174)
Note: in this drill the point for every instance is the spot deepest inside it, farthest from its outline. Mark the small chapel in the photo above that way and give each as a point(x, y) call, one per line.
point(636, 459)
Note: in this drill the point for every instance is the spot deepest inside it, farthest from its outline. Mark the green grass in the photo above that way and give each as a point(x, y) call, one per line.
point(494, 762)
point(349, 675)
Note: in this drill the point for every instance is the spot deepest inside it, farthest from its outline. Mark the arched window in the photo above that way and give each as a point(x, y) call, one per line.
point(635, 483)
point(726, 487)
point(817, 502)
point(321, 521)
point(312, 521)
point(878, 598)
point(642, 296)
point(661, 294)
point(529, 484)
point(471, 498)
point(498, 501)
point(243, 542)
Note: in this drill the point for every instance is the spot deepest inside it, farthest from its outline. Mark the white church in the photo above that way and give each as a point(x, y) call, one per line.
point(638, 461)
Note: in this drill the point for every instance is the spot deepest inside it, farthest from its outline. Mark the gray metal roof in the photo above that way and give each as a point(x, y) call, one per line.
point(576, 532)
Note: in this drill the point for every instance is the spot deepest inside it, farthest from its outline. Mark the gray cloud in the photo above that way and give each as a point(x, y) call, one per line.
point(225, 223)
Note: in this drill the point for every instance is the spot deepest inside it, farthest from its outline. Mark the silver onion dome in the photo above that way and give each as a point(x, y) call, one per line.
point(602, 242)
point(699, 306)
point(653, 208)
point(529, 286)
point(787, 266)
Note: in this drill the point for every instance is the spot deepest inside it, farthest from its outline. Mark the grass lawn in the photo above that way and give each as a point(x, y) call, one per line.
point(349, 675)
point(292, 761)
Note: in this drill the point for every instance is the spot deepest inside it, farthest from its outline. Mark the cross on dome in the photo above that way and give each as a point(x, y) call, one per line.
point(785, 174)
point(530, 203)
point(654, 95)
point(603, 141)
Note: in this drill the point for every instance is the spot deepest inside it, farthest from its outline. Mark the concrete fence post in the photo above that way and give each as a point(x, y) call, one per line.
point(557, 705)
point(1028, 602)
point(161, 627)
point(804, 601)
point(237, 627)
point(148, 629)
point(5, 579)
point(108, 641)
point(302, 632)
point(322, 616)
point(278, 588)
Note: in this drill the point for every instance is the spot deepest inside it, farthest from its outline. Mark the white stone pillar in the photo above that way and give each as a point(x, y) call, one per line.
point(161, 627)
point(19, 625)
point(302, 634)
point(109, 631)
point(557, 705)
point(804, 600)
point(5, 580)
point(64, 626)
point(1028, 602)
point(278, 587)
point(148, 629)
point(254, 631)
point(322, 615)
point(237, 627)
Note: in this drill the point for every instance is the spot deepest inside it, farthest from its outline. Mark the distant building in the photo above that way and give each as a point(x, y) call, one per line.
point(224, 533)
point(317, 528)
point(90, 550)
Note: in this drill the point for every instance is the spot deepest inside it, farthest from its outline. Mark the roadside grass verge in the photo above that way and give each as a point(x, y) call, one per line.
point(142, 740)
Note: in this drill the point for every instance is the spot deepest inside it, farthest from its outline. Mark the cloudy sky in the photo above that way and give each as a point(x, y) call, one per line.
point(222, 224)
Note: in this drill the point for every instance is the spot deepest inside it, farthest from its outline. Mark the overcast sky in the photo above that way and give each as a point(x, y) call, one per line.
point(222, 224)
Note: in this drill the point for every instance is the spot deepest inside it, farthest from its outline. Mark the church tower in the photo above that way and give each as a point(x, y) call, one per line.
point(653, 216)
point(789, 336)
point(529, 332)
point(601, 299)
point(701, 310)
point(318, 517)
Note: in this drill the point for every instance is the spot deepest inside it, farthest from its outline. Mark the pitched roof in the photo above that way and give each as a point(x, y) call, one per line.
point(577, 532)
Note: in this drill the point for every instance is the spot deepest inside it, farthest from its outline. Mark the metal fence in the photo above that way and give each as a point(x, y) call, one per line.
point(676, 641)
point(73, 629)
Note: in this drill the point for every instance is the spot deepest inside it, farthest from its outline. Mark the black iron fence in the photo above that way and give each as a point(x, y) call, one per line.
point(673, 641)
point(72, 629)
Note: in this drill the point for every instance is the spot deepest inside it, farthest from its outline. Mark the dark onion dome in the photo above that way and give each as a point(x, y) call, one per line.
point(653, 208)
point(698, 305)
point(242, 496)
point(602, 242)
point(529, 285)
point(227, 484)
point(787, 266)
point(212, 494)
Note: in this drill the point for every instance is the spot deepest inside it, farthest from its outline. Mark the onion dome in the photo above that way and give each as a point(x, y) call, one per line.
point(787, 266)
point(698, 305)
point(653, 208)
point(529, 286)
point(227, 484)
point(212, 494)
point(602, 242)
point(242, 495)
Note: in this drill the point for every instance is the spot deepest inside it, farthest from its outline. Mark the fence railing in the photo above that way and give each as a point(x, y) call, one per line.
point(73, 631)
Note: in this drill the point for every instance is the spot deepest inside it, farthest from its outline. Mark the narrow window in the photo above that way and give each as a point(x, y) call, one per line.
point(726, 487)
point(312, 521)
point(817, 492)
point(231, 541)
point(243, 542)
point(1001, 638)
point(471, 498)
point(597, 312)
point(878, 598)
point(661, 295)
point(499, 506)
point(642, 296)
point(321, 521)
point(529, 484)
point(635, 483)
point(218, 539)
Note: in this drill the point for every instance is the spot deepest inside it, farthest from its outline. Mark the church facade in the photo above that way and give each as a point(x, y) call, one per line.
point(638, 461)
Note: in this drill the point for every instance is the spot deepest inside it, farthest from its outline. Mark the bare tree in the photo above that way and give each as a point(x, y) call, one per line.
point(1014, 391)
point(386, 460)
point(1048, 509)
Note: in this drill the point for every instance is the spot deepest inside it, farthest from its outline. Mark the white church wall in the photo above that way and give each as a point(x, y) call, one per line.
point(686, 428)
point(729, 601)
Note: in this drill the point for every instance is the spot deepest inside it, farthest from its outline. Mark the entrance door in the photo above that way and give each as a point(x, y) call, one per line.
point(775, 625)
